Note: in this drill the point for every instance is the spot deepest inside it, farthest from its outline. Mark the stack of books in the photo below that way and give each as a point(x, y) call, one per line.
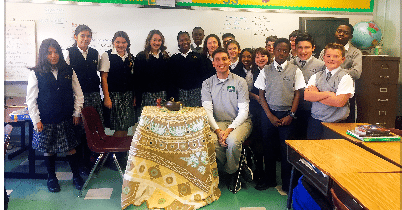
point(373, 133)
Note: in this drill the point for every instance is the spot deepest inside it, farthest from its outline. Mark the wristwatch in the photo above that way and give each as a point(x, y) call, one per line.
point(293, 115)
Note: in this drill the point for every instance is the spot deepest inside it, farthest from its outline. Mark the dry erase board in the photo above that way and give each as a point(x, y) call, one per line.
point(20, 46)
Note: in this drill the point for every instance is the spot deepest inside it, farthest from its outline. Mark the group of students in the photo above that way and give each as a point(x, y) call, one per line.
point(271, 87)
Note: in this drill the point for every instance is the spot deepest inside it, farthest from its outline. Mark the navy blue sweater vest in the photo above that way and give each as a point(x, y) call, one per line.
point(120, 77)
point(56, 97)
point(86, 70)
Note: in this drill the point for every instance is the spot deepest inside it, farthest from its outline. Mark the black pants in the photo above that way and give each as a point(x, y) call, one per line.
point(268, 132)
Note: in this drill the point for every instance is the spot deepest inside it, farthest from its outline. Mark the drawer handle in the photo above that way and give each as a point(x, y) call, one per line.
point(382, 124)
point(384, 66)
point(383, 90)
point(379, 112)
point(384, 77)
point(385, 100)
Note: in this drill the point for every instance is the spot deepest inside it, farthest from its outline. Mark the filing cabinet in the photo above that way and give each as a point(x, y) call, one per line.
point(376, 91)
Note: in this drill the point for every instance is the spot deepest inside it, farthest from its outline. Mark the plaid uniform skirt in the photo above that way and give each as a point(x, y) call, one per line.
point(190, 98)
point(55, 138)
point(94, 100)
point(122, 114)
point(149, 99)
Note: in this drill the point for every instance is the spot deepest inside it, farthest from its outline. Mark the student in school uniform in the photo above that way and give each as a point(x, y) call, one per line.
point(116, 67)
point(279, 84)
point(151, 70)
point(198, 37)
point(233, 48)
point(226, 38)
point(309, 65)
point(292, 39)
point(269, 45)
point(187, 73)
point(55, 99)
point(353, 60)
point(211, 43)
point(225, 99)
point(329, 91)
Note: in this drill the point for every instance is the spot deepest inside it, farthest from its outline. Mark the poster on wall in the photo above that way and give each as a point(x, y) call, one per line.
point(323, 5)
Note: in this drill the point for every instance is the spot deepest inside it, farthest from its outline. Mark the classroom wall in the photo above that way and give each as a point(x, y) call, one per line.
point(59, 21)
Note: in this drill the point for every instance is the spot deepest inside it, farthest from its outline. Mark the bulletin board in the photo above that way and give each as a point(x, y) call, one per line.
point(20, 49)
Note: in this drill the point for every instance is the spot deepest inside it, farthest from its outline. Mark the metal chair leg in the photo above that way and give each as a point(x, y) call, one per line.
point(290, 193)
point(118, 165)
point(90, 174)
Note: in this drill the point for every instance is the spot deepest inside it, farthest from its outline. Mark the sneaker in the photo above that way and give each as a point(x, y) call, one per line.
point(53, 185)
point(78, 182)
point(234, 184)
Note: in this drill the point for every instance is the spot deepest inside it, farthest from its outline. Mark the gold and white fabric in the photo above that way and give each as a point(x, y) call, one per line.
point(172, 161)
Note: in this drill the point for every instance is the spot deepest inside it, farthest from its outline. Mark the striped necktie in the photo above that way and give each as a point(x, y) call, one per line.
point(328, 76)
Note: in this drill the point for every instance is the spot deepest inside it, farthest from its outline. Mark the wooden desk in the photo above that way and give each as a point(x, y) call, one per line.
point(319, 159)
point(371, 190)
point(390, 150)
point(340, 156)
point(341, 128)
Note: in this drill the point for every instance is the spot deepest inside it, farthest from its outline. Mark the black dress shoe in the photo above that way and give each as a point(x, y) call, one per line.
point(263, 185)
point(234, 184)
point(78, 182)
point(53, 185)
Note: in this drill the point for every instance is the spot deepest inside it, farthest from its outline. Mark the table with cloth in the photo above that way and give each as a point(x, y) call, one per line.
point(172, 161)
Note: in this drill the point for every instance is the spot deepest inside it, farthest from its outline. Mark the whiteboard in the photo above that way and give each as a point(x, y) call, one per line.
point(20, 48)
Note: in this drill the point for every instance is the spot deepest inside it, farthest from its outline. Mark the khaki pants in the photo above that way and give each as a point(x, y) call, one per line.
point(228, 157)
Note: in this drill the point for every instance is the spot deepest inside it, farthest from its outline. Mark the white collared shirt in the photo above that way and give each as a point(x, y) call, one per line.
point(233, 65)
point(157, 54)
point(185, 55)
point(299, 78)
point(105, 63)
point(346, 85)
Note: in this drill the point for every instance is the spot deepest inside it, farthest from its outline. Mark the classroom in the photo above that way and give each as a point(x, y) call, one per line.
point(29, 22)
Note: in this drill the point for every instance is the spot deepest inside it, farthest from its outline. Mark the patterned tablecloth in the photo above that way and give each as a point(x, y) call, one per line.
point(172, 161)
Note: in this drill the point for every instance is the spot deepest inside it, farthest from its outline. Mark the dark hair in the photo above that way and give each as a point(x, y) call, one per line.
point(348, 25)
point(195, 28)
point(205, 48)
point(294, 33)
point(335, 46)
point(219, 50)
point(43, 64)
point(147, 47)
point(262, 51)
point(271, 39)
point(233, 42)
point(305, 37)
point(228, 35)
point(80, 29)
point(125, 36)
point(282, 40)
point(182, 32)
point(251, 51)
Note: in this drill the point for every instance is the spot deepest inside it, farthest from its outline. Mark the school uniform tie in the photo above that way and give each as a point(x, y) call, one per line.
point(302, 63)
point(279, 68)
point(328, 76)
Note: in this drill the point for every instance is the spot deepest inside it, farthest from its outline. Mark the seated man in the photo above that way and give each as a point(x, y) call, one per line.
point(226, 100)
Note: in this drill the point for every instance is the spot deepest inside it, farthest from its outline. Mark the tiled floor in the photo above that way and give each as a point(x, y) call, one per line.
point(33, 194)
